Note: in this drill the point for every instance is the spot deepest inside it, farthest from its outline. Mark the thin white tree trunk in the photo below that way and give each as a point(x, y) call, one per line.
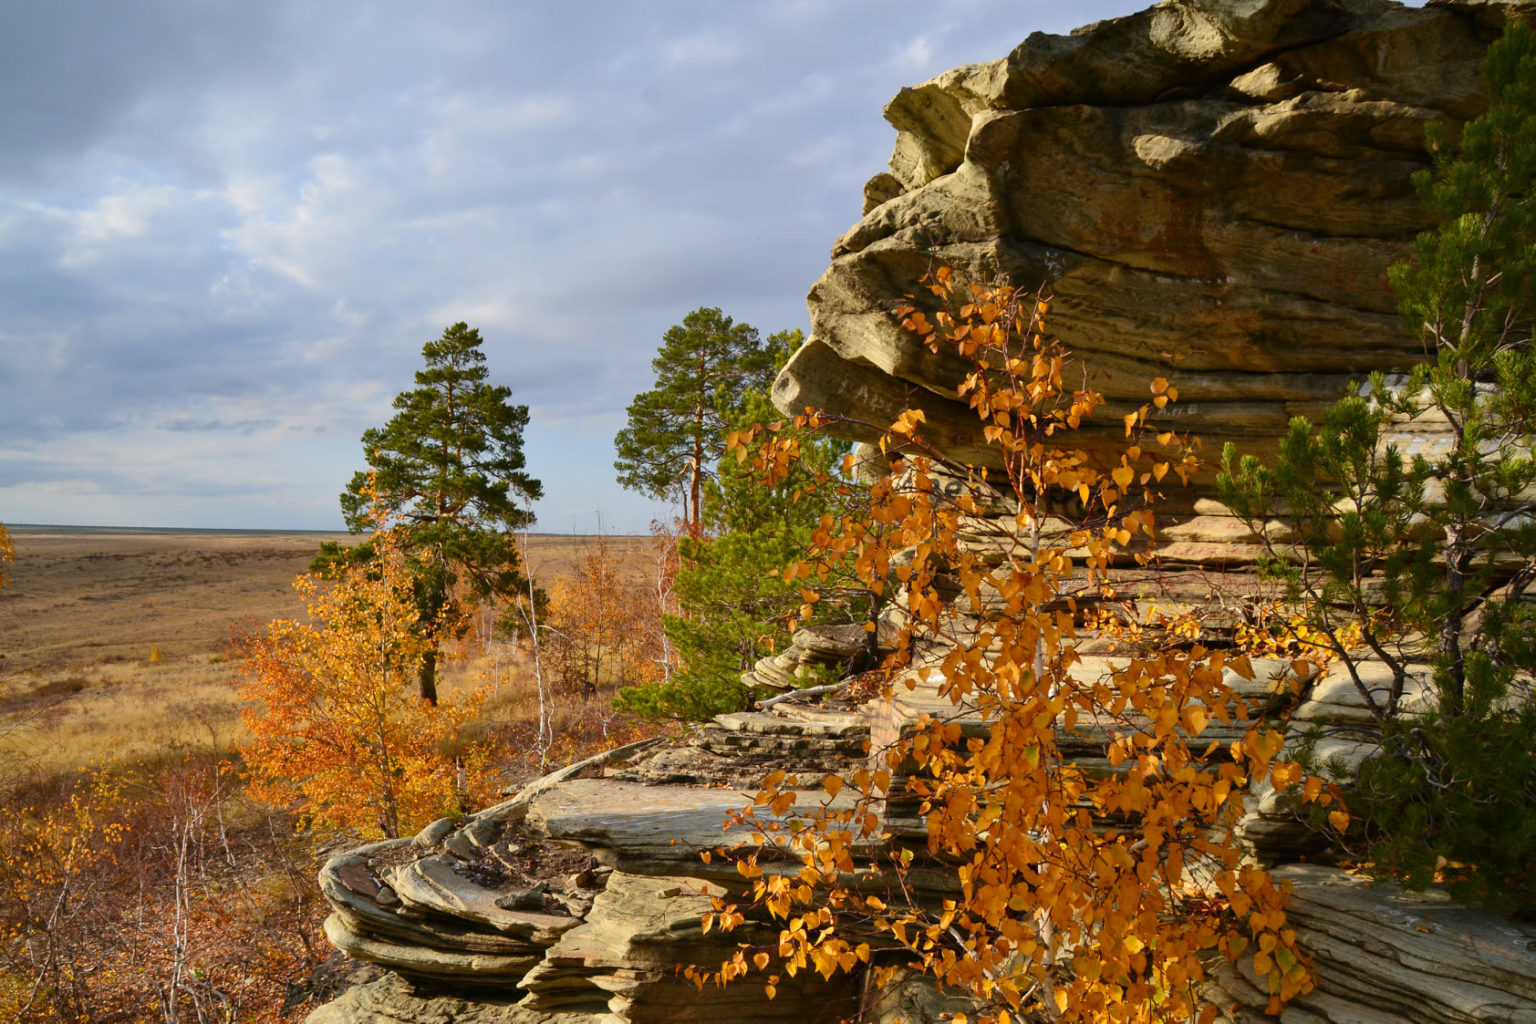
point(546, 737)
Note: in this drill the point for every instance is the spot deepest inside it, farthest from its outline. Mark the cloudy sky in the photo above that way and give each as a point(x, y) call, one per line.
point(226, 229)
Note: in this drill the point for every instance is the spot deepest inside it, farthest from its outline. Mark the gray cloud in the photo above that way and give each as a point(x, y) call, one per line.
point(186, 425)
point(226, 230)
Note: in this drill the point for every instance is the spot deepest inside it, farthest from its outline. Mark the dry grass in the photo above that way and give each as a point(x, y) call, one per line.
point(86, 608)
point(551, 555)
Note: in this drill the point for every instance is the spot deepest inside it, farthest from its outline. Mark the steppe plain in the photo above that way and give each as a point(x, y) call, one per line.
point(113, 641)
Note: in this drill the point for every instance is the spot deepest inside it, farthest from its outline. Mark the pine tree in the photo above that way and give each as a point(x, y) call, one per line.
point(449, 465)
point(734, 604)
point(675, 431)
point(1434, 556)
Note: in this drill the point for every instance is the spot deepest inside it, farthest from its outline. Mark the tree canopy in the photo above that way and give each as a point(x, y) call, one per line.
point(734, 605)
point(329, 719)
point(675, 432)
point(449, 467)
point(1083, 889)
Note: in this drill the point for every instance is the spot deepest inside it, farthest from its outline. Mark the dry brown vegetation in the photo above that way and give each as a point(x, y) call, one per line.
point(87, 609)
point(138, 880)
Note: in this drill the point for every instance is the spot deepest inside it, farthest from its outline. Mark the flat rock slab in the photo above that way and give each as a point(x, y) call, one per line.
point(1382, 954)
point(644, 822)
point(394, 1000)
point(433, 885)
point(647, 826)
point(359, 913)
point(1336, 700)
point(795, 722)
point(1435, 952)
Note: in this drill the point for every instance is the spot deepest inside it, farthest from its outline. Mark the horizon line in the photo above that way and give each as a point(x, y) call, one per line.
point(97, 528)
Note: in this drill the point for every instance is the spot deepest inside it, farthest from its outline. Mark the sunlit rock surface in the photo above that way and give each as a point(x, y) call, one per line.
point(1212, 191)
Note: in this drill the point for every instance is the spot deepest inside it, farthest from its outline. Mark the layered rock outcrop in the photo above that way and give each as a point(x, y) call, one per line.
point(575, 901)
point(1213, 191)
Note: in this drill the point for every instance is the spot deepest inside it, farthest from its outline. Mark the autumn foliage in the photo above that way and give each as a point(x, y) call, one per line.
point(1080, 893)
point(138, 894)
point(604, 624)
point(7, 554)
point(333, 720)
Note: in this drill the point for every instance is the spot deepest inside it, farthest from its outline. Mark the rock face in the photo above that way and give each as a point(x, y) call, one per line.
point(1383, 955)
point(1212, 190)
point(575, 901)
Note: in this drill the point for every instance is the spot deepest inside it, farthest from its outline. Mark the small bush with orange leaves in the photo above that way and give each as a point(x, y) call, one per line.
point(1079, 895)
point(334, 724)
point(603, 628)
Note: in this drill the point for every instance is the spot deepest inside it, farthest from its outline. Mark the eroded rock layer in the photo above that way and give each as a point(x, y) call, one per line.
point(1212, 191)
point(576, 901)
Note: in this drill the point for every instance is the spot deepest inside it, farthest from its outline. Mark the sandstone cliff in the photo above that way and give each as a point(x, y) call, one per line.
point(1213, 191)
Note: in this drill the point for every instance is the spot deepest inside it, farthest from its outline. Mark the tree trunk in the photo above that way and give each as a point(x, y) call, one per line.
point(872, 635)
point(696, 520)
point(426, 678)
point(695, 516)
